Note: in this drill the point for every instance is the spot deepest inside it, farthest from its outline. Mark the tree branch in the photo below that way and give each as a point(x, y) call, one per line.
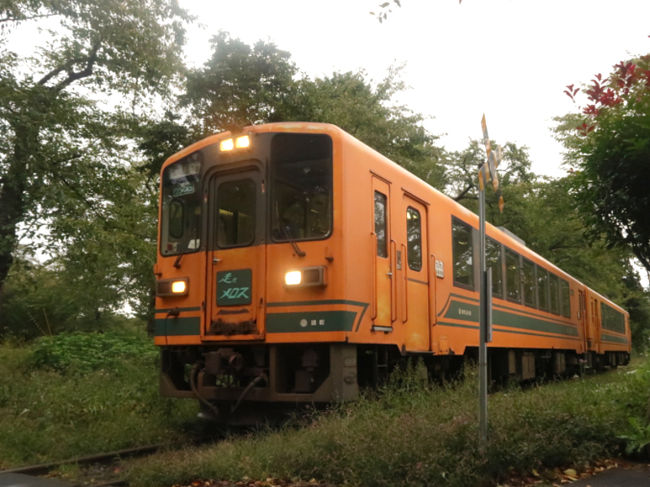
point(30, 17)
point(464, 192)
point(68, 67)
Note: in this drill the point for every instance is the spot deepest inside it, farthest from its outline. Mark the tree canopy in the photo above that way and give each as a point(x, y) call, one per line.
point(62, 140)
point(608, 144)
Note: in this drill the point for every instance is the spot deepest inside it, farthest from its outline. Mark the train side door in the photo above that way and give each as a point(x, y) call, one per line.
point(414, 274)
point(383, 313)
point(236, 259)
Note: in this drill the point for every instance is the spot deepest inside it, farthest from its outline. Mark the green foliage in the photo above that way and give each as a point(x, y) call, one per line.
point(80, 353)
point(63, 150)
point(423, 435)
point(239, 85)
point(243, 85)
point(90, 406)
point(462, 171)
point(609, 148)
point(44, 300)
point(638, 439)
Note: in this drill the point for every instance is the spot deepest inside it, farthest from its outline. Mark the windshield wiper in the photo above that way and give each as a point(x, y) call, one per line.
point(294, 244)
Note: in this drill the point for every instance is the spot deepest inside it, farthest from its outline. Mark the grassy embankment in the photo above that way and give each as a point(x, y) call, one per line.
point(75, 395)
point(414, 435)
point(79, 394)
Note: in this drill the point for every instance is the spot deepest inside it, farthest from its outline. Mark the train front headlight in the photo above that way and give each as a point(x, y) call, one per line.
point(179, 287)
point(306, 277)
point(293, 278)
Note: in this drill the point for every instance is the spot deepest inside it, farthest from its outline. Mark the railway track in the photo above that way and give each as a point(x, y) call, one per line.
point(105, 465)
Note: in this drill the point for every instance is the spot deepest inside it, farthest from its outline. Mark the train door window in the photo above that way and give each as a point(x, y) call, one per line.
point(513, 276)
point(528, 280)
point(542, 288)
point(494, 260)
point(463, 254)
point(413, 239)
point(554, 293)
point(380, 224)
point(565, 298)
point(236, 213)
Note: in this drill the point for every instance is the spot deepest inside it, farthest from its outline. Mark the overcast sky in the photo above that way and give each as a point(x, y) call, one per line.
point(509, 59)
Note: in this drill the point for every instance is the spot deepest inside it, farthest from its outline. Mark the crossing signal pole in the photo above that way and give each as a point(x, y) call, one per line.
point(487, 172)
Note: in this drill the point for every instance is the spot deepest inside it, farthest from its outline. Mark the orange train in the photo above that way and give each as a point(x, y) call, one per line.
point(296, 264)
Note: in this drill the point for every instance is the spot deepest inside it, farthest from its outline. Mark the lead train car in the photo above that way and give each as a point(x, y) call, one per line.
point(296, 264)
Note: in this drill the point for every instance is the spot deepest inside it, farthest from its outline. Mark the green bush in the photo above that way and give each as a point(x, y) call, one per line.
point(73, 394)
point(84, 352)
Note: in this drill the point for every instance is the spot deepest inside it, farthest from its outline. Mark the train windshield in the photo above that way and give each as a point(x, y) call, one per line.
point(301, 187)
point(181, 207)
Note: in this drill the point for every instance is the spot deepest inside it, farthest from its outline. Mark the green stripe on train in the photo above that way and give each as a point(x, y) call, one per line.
point(310, 321)
point(177, 326)
point(613, 339)
point(469, 312)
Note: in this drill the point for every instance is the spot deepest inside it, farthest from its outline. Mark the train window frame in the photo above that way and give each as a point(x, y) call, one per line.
point(381, 225)
point(517, 274)
point(533, 282)
point(458, 224)
point(554, 282)
point(414, 247)
point(280, 233)
point(565, 298)
point(497, 277)
point(542, 274)
point(180, 184)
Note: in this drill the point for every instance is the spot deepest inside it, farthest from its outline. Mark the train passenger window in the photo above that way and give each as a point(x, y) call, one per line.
point(554, 293)
point(565, 298)
point(413, 239)
point(513, 276)
point(463, 254)
point(236, 213)
point(380, 224)
point(529, 283)
point(301, 187)
point(494, 260)
point(612, 319)
point(542, 288)
point(181, 207)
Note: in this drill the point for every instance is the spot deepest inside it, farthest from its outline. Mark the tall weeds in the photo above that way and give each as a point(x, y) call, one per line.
point(414, 434)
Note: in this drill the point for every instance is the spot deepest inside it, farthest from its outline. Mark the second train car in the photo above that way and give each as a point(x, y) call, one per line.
point(296, 264)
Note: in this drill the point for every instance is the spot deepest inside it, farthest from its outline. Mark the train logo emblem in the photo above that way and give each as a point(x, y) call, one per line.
point(234, 287)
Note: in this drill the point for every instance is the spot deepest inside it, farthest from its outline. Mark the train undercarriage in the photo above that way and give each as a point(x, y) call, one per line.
point(243, 384)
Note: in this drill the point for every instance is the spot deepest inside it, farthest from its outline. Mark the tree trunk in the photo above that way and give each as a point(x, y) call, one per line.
point(13, 205)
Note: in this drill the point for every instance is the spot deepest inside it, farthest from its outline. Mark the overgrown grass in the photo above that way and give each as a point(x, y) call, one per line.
point(82, 393)
point(413, 435)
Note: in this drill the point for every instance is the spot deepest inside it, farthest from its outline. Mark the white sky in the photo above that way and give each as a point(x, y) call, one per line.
point(509, 59)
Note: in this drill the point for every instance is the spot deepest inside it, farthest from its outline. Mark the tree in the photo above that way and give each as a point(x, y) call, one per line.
point(462, 172)
point(53, 134)
point(608, 146)
point(242, 85)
